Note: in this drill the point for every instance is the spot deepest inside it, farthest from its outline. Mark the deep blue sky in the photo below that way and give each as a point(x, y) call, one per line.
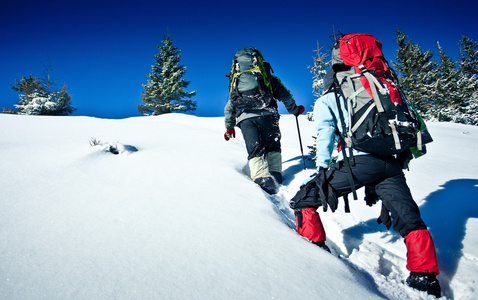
point(103, 50)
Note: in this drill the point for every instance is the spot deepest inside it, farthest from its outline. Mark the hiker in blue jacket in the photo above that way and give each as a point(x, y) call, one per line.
point(260, 129)
point(383, 178)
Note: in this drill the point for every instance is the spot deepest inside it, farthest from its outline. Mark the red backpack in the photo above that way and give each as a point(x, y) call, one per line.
point(381, 120)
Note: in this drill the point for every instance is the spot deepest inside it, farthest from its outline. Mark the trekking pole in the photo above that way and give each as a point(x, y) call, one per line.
point(300, 140)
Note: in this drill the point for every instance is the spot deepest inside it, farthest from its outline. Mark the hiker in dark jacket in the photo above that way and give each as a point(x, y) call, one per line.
point(260, 129)
point(383, 178)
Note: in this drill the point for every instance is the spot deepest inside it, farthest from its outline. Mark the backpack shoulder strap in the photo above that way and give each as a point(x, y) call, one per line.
point(343, 142)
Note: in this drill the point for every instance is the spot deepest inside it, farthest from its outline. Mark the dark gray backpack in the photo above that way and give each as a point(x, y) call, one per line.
point(250, 86)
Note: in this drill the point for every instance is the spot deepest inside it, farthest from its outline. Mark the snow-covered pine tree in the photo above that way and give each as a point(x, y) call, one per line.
point(318, 70)
point(468, 56)
point(417, 73)
point(454, 91)
point(471, 111)
point(26, 86)
point(164, 92)
point(448, 93)
point(36, 98)
point(468, 68)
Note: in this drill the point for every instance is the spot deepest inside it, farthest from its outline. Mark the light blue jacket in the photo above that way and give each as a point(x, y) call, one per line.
point(327, 121)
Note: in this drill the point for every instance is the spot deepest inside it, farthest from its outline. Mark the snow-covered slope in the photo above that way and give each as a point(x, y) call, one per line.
point(175, 216)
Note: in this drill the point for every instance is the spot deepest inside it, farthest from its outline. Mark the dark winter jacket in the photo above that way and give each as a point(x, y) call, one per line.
point(233, 116)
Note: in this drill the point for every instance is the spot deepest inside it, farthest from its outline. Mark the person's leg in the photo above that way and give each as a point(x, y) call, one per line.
point(274, 161)
point(271, 136)
point(421, 255)
point(252, 131)
point(422, 260)
point(252, 137)
point(308, 221)
point(309, 224)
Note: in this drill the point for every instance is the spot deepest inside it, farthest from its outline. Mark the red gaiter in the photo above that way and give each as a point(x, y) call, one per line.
point(421, 256)
point(309, 225)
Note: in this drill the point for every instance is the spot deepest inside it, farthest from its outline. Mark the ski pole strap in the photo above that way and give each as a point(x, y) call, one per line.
point(349, 171)
point(298, 216)
point(344, 145)
point(346, 201)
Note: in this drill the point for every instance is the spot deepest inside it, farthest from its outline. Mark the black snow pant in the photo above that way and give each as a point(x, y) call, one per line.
point(383, 173)
point(261, 135)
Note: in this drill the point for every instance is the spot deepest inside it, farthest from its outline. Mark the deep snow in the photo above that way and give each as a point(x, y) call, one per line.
point(174, 216)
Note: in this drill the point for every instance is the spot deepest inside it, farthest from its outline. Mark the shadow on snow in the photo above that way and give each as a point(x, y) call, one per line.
point(446, 212)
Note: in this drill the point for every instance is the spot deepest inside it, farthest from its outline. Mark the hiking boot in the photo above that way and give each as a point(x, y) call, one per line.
point(277, 176)
point(322, 245)
point(426, 282)
point(268, 184)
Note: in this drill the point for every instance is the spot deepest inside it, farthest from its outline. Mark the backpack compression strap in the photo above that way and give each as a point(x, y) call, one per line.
point(260, 66)
point(375, 87)
point(342, 141)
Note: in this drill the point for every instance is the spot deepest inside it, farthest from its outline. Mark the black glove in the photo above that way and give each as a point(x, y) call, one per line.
point(324, 191)
point(385, 217)
point(371, 196)
point(404, 158)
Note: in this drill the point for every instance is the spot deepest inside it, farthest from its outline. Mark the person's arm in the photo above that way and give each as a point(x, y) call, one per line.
point(282, 94)
point(230, 115)
point(325, 125)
